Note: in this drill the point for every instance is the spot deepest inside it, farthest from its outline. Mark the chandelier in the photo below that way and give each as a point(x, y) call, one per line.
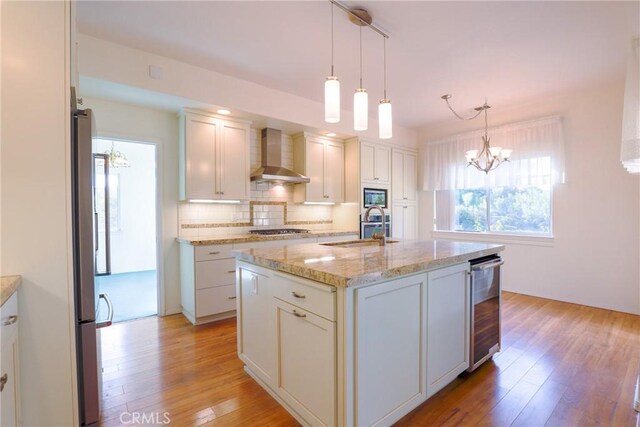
point(488, 158)
point(116, 158)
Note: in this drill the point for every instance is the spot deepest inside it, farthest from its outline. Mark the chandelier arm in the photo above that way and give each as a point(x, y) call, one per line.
point(446, 99)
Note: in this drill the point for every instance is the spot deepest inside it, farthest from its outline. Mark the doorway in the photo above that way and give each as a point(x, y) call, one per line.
point(126, 242)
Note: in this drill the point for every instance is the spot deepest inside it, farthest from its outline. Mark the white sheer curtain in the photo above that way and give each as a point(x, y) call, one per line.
point(537, 158)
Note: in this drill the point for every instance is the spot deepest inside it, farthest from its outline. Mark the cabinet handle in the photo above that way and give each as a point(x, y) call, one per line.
point(404, 198)
point(10, 320)
point(233, 297)
point(295, 313)
point(405, 207)
point(217, 192)
point(254, 279)
point(3, 381)
point(214, 253)
point(297, 295)
point(231, 271)
point(375, 179)
point(222, 192)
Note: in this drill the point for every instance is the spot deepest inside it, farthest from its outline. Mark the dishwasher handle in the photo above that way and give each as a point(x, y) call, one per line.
point(487, 265)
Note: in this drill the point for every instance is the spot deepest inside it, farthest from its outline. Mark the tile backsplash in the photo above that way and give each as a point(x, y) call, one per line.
point(271, 206)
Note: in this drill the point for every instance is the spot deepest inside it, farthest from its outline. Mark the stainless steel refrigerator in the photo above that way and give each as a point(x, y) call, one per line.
point(86, 221)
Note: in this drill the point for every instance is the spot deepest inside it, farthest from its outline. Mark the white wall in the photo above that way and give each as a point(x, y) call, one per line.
point(595, 256)
point(117, 120)
point(133, 231)
point(36, 221)
point(108, 61)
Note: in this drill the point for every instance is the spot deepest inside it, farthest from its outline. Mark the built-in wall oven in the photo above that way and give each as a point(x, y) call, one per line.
point(367, 228)
point(485, 309)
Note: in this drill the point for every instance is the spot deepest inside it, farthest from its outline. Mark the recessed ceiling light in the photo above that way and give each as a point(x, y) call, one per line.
point(224, 111)
point(331, 134)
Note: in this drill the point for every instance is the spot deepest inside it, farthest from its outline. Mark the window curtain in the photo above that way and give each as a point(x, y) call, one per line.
point(537, 158)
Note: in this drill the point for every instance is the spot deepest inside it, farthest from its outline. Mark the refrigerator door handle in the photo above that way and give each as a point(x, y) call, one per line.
point(109, 320)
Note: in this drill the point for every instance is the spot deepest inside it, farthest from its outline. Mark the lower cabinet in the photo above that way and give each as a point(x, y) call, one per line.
point(306, 363)
point(390, 350)
point(256, 324)
point(448, 325)
point(9, 369)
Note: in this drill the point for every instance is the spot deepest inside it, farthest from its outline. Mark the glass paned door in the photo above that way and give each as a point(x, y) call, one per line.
point(101, 224)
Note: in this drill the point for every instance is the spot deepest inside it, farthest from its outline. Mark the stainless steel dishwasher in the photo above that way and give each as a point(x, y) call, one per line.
point(485, 309)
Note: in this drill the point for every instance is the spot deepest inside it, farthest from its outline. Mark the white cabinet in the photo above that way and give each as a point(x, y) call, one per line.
point(404, 224)
point(9, 369)
point(322, 160)
point(390, 349)
point(405, 175)
point(306, 363)
point(207, 281)
point(448, 323)
point(256, 323)
point(375, 163)
point(214, 158)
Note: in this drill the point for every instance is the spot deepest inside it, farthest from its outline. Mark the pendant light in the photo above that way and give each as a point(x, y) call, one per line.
point(360, 101)
point(332, 89)
point(385, 130)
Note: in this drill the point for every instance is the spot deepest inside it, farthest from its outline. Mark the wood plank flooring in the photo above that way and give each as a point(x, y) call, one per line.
point(560, 365)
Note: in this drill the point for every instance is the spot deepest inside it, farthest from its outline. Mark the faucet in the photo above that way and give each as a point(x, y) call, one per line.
point(377, 236)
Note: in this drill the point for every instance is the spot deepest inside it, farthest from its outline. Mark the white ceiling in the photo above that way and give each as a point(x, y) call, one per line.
point(509, 52)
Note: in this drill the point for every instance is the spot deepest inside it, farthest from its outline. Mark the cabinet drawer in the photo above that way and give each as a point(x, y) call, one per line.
point(206, 253)
point(215, 300)
point(218, 272)
point(316, 298)
point(9, 318)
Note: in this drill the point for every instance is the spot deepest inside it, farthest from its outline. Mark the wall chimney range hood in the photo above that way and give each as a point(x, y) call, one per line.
point(271, 169)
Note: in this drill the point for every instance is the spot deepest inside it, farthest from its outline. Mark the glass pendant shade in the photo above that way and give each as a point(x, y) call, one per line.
point(630, 147)
point(332, 100)
point(360, 110)
point(495, 151)
point(385, 130)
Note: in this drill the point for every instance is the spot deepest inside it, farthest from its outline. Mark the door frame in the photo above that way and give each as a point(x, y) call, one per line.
point(157, 143)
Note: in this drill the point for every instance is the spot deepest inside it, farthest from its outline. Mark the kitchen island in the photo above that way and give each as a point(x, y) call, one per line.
point(355, 334)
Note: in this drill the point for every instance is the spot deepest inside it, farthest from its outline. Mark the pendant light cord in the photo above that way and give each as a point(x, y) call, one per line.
point(332, 39)
point(384, 56)
point(360, 57)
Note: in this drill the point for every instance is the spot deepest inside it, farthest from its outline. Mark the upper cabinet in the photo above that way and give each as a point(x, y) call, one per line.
point(405, 175)
point(375, 163)
point(214, 158)
point(322, 160)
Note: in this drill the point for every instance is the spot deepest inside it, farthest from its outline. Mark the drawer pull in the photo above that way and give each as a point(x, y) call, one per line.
point(295, 313)
point(231, 271)
point(214, 253)
point(3, 381)
point(233, 297)
point(10, 320)
point(297, 295)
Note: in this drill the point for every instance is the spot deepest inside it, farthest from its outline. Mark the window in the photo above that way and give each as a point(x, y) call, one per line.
point(114, 201)
point(519, 210)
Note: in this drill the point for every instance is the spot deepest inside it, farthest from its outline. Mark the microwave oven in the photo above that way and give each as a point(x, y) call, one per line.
point(374, 196)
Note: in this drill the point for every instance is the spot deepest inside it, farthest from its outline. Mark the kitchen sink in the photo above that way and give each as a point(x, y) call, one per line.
point(357, 243)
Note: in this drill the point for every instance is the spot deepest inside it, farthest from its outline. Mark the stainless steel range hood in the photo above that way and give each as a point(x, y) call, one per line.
point(271, 169)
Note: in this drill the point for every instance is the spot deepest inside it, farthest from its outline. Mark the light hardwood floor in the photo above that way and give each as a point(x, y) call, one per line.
point(560, 365)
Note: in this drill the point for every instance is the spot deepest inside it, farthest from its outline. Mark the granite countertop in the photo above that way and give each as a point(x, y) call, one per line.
point(242, 238)
point(344, 267)
point(8, 285)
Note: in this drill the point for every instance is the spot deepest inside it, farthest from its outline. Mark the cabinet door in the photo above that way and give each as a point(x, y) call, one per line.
point(315, 170)
point(234, 161)
point(397, 170)
point(8, 396)
point(409, 222)
point(256, 325)
point(367, 162)
point(200, 157)
point(390, 350)
point(410, 177)
point(448, 311)
point(397, 221)
point(307, 364)
point(334, 172)
point(382, 164)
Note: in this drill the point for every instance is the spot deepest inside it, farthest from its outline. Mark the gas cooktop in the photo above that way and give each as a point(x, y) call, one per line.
point(278, 231)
